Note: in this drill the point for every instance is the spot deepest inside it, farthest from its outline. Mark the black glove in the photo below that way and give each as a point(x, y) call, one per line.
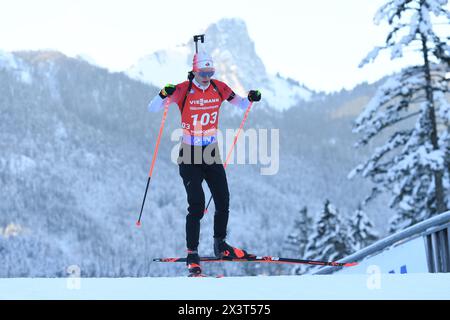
point(168, 90)
point(254, 95)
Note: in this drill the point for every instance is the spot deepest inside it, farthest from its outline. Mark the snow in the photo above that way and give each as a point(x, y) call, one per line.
point(87, 58)
point(25, 77)
point(21, 163)
point(11, 230)
point(60, 131)
point(282, 94)
point(162, 67)
point(7, 60)
point(371, 56)
point(419, 22)
point(318, 287)
point(444, 110)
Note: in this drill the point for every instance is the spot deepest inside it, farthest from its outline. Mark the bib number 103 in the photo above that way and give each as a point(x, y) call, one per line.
point(205, 119)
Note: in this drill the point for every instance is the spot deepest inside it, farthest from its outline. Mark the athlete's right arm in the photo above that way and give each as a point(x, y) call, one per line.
point(156, 104)
point(159, 101)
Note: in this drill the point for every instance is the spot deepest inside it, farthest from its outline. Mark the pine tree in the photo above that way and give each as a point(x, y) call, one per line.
point(297, 240)
point(413, 165)
point(361, 230)
point(330, 240)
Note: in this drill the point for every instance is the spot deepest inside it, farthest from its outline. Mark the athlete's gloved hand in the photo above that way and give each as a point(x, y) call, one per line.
point(254, 95)
point(168, 90)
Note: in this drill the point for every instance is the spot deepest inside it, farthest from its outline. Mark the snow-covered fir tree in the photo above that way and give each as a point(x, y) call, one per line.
point(413, 109)
point(361, 230)
point(330, 240)
point(297, 240)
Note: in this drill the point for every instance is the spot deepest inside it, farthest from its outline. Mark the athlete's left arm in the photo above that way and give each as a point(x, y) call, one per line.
point(233, 98)
point(238, 101)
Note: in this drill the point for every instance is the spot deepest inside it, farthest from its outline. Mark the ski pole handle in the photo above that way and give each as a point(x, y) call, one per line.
point(200, 37)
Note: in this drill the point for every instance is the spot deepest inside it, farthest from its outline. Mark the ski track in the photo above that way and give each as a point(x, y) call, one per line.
point(329, 287)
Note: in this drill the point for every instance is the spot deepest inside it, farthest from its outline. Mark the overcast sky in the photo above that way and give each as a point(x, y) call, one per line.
point(319, 43)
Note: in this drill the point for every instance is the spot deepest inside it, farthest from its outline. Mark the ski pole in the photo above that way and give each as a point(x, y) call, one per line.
point(155, 153)
point(232, 147)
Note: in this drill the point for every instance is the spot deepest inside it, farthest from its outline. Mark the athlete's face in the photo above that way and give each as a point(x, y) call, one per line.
point(203, 76)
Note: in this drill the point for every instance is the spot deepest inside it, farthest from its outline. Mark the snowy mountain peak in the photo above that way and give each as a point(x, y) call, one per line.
point(232, 48)
point(236, 62)
point(163, 66)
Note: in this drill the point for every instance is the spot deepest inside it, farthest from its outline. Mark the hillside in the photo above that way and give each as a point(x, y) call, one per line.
point(76, 145)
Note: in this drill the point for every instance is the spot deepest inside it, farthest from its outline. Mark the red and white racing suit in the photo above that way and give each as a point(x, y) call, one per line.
point(200, 116)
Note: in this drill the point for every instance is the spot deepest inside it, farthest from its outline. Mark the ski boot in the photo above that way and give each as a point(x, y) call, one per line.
point(193, 263)
point(223, 249)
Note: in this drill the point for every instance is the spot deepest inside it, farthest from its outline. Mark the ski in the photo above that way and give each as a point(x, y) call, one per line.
point(202, 275)
point(263, 259)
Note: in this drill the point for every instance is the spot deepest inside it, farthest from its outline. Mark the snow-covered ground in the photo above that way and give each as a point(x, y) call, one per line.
point(382, 286)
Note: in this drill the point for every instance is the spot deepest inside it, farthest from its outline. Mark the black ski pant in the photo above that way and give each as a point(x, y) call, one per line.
point(193, 172)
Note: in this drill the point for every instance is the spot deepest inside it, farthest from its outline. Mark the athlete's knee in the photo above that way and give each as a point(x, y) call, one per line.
point(222, 202)
point(196, 211)
point(222, 208)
